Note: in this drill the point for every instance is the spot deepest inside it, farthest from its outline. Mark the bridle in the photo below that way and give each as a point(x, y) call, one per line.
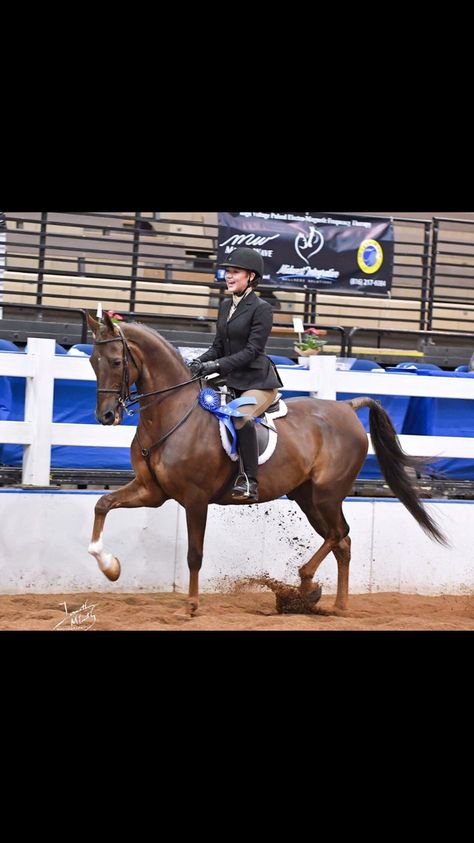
point(126, 399)
point(124, 391)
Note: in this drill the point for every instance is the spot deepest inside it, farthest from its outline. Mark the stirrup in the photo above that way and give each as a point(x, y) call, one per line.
point(245, 489)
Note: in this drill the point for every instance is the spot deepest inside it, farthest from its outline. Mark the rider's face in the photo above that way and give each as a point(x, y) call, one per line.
point(237, 279)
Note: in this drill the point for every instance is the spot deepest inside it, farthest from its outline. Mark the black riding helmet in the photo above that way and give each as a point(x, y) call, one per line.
point(246, 258)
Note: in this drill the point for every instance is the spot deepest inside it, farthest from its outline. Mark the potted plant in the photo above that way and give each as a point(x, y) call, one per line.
point(311, 343)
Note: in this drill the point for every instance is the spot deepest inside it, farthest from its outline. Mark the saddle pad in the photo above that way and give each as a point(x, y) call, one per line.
point(272, 436)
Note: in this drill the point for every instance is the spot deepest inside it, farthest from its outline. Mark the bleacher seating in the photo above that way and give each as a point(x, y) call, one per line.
point(362, 365)
point(416, 365)
point(281, 361)
point(6, 345)
point(81, 348)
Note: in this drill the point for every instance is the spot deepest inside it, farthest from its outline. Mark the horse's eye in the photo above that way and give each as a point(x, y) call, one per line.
point(116, 364)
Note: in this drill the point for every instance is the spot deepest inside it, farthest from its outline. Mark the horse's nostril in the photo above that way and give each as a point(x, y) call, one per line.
point(108, 417)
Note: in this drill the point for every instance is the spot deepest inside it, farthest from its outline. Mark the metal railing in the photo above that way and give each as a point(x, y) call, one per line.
point(163, 266)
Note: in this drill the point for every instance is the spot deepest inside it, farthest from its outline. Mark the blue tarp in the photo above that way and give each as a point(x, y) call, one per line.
point(74, 403)
point(397, 408)
point(441, 417)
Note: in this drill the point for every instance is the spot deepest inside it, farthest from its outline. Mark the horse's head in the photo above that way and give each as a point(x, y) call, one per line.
point(115, 367)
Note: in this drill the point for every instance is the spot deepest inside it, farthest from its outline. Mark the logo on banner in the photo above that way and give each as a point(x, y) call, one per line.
point(370, 256)
point(314, 241)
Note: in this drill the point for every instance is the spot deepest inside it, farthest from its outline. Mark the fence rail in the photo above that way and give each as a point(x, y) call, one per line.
point(38, 433)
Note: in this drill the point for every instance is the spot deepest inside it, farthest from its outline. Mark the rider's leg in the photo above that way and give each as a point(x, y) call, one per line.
point(246, 486)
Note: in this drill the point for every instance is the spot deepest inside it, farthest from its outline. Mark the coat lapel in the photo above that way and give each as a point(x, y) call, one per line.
point(226, 307)
point(242, 308)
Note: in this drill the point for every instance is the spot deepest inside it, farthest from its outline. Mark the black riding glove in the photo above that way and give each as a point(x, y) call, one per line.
point(209, 367)
point(195, 367)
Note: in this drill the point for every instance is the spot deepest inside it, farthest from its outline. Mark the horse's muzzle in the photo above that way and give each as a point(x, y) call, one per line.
point(109, 417)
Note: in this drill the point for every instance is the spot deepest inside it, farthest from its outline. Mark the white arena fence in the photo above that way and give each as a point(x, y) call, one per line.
point(40, 366)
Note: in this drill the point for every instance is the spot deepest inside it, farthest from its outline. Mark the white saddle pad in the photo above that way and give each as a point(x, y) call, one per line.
point(272, 436)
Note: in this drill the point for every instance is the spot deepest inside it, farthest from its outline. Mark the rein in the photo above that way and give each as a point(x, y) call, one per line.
point(126, 400)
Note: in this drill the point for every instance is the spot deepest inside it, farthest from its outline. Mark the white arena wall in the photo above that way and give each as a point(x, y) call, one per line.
point(45, 534)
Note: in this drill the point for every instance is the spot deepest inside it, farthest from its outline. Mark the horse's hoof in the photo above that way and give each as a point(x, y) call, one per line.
point(291, 600)
point(190, 610)
point(182, 614)
point(314, 595)
point(193, 607)
point(112, 571)
point(310, 591)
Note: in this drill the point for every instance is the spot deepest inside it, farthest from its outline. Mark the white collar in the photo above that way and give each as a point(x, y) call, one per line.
point(237, 299)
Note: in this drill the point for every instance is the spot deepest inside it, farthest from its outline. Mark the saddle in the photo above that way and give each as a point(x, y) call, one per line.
point(267, 433)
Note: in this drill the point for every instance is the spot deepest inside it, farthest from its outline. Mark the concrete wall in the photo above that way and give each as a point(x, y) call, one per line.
point(44, 539)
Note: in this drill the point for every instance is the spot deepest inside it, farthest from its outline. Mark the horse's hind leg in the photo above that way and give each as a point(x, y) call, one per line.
point(134, 494)
point(327, 519)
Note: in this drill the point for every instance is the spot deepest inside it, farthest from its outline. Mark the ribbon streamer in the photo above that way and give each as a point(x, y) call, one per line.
point(209, 400)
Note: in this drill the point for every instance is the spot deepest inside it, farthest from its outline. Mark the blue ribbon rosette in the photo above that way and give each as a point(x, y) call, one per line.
point(210, 400)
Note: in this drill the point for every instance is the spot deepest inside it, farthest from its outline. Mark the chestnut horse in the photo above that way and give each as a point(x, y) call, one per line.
point(177, 453)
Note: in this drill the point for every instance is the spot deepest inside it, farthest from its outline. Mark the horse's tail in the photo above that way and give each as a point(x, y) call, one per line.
point(393, 461)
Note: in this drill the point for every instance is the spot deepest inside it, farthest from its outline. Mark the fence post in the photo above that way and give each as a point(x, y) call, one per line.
point(322, 368)
point(39, 412)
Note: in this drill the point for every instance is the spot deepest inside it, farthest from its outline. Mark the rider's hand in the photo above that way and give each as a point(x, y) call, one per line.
point(195, 367)
point(209, 367)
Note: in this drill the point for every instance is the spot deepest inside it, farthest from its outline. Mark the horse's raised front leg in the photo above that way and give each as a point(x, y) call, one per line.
point(196, 518)
point(343, 555)
point(134, 494)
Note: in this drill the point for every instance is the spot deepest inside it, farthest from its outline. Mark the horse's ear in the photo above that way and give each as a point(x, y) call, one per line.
point(93, 324)
point(110, 325)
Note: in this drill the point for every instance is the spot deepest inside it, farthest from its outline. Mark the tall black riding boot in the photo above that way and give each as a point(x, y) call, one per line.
point(246, 486)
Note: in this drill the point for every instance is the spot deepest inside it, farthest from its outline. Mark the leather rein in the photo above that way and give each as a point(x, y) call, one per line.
point(126, 399)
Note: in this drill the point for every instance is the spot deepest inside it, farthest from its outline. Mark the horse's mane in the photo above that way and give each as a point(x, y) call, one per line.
point(168, 345)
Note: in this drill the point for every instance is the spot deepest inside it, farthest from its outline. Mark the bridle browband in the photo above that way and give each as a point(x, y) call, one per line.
point(126, 400)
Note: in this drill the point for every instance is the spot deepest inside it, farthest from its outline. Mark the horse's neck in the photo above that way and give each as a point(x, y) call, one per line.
point(160, 366)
